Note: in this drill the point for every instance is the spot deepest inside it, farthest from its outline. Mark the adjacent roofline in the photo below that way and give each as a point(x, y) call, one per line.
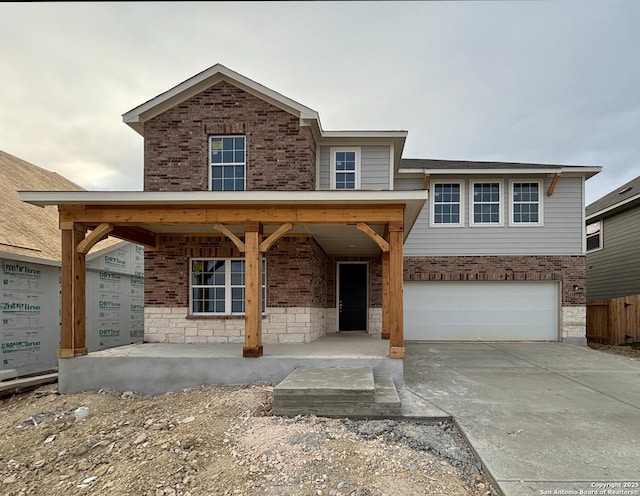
point(7, 255)
point(615, 206)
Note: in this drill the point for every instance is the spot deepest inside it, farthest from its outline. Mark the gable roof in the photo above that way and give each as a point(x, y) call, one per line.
point(626, 195)
point(437, 166)
point(28, 231)
point(137, 116)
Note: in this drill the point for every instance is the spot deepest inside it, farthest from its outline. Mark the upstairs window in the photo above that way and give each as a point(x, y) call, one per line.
point(594, 236)
point(345, 168)
point(218, 284)
point(228, 163)
point(446, 204)
point(486, 204)
point(526, 203)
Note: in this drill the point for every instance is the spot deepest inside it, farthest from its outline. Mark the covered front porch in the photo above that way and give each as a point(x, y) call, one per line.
point(349, 223)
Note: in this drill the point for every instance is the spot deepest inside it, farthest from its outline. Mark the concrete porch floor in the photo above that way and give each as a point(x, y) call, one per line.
point(156, 368)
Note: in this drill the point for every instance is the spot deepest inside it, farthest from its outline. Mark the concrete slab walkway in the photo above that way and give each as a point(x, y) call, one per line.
point(544, 418)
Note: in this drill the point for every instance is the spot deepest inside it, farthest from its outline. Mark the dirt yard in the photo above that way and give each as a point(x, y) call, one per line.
point(628, 351)
point(219, 441)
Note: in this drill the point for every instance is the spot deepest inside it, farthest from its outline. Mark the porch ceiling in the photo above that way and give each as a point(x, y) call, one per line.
point(334, 239)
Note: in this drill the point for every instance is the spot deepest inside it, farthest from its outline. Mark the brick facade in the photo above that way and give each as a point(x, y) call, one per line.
point(570, 269)
point(296, 268)
point(280, 154)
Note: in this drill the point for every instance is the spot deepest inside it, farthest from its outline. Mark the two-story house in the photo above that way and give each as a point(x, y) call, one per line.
point(262, 227)
point(613, 237)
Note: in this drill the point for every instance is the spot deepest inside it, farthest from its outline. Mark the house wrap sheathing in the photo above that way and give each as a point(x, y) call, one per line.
point(30, 277)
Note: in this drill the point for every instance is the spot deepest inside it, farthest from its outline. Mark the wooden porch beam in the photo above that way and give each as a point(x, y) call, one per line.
point(275, 236)
point(98, 234)
point(253, 291)
point(273, 214)
point(236, 241)
point(425, 182)
point(137, 235)
point(365, 228)
point(552, 186)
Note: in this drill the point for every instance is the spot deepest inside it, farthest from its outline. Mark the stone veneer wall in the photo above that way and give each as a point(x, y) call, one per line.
point(569, 270)
point(280, 325)
point(280, 153)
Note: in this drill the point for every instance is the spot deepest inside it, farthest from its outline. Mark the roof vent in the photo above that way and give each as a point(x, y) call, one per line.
point(625, 190)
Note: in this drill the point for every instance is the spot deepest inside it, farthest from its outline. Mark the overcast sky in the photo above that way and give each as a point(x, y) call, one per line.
point(543, 82)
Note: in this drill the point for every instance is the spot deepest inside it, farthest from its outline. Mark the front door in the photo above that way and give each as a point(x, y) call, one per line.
point(352, 296)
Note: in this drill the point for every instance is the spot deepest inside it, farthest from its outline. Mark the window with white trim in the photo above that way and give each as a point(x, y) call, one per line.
point(227, 159)
point(345, 168)
point(217, 286)
point(446, 204)
point(594, 236)
point(526, 203)
point(486, 203)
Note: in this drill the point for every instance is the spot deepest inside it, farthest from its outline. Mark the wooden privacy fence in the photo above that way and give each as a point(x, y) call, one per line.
point(615, 321)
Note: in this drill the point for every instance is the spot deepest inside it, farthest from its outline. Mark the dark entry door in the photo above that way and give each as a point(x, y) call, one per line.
point(352, 297)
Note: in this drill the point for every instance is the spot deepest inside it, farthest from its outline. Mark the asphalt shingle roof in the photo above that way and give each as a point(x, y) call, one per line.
point(618, 195)
point(26, 229)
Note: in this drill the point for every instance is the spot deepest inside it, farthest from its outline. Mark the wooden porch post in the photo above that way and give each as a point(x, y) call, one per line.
point(73, 333)
point(253, 291)
point(396, 338)
point(386, 315)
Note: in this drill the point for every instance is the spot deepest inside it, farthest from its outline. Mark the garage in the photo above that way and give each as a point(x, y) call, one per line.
point(485, 311)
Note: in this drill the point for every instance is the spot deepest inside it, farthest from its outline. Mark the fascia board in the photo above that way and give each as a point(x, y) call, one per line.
point(578, 171)
point(365, 134)
point(448, 172)
point(44, 198)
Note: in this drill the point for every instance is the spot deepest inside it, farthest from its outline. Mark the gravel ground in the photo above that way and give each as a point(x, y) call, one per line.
point(220, 441)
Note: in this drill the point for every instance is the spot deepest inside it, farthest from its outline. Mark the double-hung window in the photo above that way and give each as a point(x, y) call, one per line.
point(486, 203)
point(594, 236)
point(526, 203)
point(345, 168)
point(218, 286)
point(446, 204)
point(227, 159)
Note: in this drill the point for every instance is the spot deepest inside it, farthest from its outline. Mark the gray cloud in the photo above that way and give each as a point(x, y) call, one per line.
point(550, 82)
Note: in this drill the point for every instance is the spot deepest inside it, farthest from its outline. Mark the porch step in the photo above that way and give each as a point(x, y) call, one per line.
point(336, 392)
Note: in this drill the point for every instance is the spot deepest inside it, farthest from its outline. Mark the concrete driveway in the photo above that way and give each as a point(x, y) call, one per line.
point(543, 417)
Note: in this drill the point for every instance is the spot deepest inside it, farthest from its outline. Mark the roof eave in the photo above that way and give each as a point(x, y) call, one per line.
point(613, 208)
point(583, 171)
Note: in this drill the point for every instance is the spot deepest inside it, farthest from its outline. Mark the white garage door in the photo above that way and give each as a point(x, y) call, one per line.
point(488, 311)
